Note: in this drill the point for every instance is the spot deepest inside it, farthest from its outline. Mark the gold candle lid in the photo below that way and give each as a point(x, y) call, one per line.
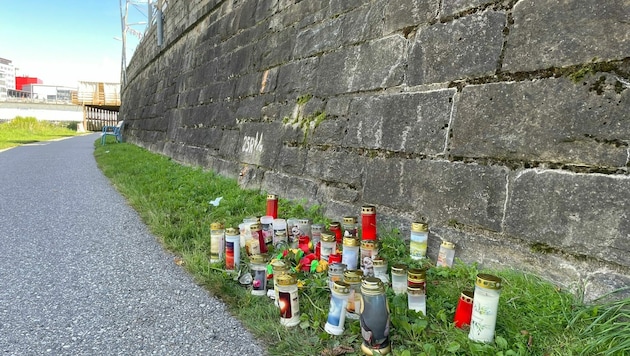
point(350, 219)
point(419, 227)
point(448, 244)
point(216, 226)
point(337, 268)
point(258, 259)
point(341, 287)
point(372, 285)
point(335, 225)
point(488, 281)
point(399, 268)
point(272, 197)
point(368, 244)
point(286, 279)
point(417, 274)
point(352, 276)
point(350, 241)
point(327, 237)
point(379, 262)
point(231, 231)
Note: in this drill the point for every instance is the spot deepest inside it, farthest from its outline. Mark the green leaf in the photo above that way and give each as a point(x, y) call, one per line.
point(501, 342)
point(453, 347)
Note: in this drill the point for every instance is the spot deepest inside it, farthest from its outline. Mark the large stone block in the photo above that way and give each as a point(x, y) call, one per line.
point(409, 122)
point(290, 187)
point(260, 144)
point(318, 38)
point(468, 47)
point(549, 120)
point(583, 214)
point(442, 192)
point(377, 64)
point(400, 14)
point(336, 166)
point(298, 78)
point(548, 34)
point(362, 24)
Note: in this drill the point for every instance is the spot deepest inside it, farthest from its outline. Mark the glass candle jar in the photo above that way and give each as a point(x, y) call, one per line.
point(463, 311)
point(380, 269)
point(417, 299)
point(418, 240)
point(416, 278)
point(337, 313)
point(350, 226)
point(272, 205)
point(278, 268)
point(328, 246)
point(293, 232)
point(256, 231)
point(374, 318)
point(217, 242)
point(252, 247)
point(485, 307)
point(232, 249)
point(368, 222)
point(335, 273)
point(258, 270)
point(316, 233)
point(350, 254)
point(304, 225)
point(353, 279)
point(266, 224)
point(288, 300)
point(368, 252)
point(335, 228)
point(279, 232)
point(399, 278)
point(446, 254)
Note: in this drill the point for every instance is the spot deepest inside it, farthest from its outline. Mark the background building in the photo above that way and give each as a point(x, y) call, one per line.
point(20, 82)
point(7, 77)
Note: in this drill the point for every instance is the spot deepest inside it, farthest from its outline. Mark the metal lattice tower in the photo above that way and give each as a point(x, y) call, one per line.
point(136, 16)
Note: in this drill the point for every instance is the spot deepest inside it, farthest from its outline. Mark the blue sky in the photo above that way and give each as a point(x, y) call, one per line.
point(63, 42)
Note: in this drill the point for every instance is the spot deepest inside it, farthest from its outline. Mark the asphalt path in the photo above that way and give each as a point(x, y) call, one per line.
point(80, 274)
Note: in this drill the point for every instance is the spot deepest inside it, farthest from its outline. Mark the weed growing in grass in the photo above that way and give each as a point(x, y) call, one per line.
point(535, 317)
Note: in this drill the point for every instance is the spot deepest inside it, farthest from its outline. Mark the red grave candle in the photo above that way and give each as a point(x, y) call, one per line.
point(463, 312)
point(335, 227)
point(272, 205)
point(368, 222)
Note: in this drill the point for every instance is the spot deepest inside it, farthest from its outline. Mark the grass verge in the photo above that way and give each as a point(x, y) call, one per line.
point(23, 130)
point(535, 317)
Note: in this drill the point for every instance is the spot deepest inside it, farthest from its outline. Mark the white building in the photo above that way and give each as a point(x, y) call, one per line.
point(49, 92)
point(7, 77)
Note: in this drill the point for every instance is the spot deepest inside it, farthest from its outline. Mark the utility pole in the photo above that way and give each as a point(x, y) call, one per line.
point(137, 24)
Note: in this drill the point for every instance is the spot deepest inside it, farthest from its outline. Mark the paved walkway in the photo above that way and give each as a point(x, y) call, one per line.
point(81, 275)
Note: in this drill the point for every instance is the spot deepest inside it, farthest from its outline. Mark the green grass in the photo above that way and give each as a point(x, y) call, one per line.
point(23, 130)
point(535, 317)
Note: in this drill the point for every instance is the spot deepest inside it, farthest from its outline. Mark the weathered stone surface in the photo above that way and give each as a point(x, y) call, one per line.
point(318, 38)
point(442, 192)
point(464, 48)
point(260, 144)
point(378, 64)
point(338, 166)
point(453, 7)
point(362, 24)
point(291, 187)
point(298, 78)
point(410, 123)
point(552, 120)
point(400, 14)
point(562, 33)
point(577, 213)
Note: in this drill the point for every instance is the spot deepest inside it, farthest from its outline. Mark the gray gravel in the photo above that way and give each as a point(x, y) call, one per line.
point(81, 275)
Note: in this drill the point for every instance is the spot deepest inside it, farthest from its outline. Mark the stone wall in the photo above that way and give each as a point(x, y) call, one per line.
point(503, 124)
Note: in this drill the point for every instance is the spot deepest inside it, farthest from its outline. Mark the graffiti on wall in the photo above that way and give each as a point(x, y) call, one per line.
point(253, 144)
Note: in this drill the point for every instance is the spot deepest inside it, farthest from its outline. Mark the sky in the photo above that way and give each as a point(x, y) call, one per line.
point(63, 42)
